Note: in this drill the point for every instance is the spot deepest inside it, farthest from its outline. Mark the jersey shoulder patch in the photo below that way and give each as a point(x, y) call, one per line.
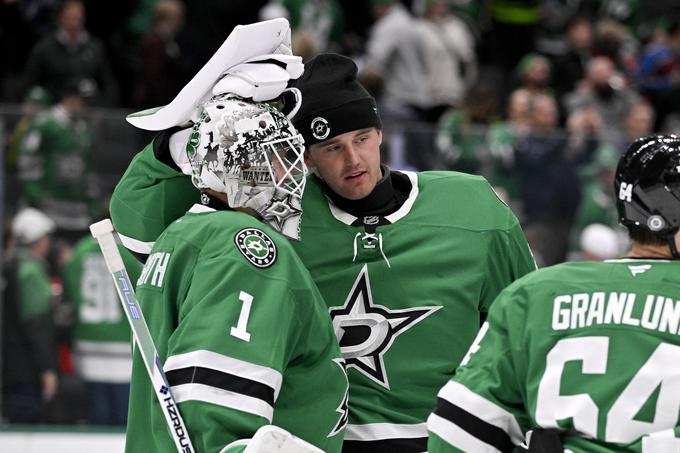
point(256, 246)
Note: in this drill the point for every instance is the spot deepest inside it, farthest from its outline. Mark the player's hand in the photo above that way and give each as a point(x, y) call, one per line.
point(49, 384)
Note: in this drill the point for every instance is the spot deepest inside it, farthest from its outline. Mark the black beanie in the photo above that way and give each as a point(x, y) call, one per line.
point(333, 100)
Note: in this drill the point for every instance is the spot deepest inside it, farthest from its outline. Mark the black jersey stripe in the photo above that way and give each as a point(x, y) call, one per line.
point(221, 380)
point(402, 445)
point(473, 425)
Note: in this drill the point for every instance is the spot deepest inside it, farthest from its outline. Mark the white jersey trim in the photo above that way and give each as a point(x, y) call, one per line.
point(636, 260)
point(107, 362)
point(208, 359)
point(103, 347)
point(408, 204)
point(135, 245)
point(200, 208)
point(381, 431)
point(456, 436)
point(221, 397)
point(459, 395)
point(400, 213)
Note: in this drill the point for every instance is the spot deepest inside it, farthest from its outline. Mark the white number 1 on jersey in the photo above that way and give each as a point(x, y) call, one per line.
point(240, 331)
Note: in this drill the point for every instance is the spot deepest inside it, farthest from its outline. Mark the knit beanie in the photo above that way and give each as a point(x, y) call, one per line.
point(333, 100)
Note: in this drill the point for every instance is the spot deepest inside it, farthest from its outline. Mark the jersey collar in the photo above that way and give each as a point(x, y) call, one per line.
point(349, 219)
point(199, 208)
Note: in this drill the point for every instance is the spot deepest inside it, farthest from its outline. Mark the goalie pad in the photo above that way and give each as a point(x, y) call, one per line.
point(272, 439)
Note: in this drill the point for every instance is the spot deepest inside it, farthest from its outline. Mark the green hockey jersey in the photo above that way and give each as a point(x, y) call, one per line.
point(408, 285)
point(243, 334)
point(405, 293)
point(101, 334)
point(588, 347)
point(53, 165)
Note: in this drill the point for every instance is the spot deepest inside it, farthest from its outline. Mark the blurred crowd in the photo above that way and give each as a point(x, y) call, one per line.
point(540, 97)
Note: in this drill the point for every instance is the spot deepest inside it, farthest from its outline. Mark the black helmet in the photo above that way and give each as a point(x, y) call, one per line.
point(647, 185)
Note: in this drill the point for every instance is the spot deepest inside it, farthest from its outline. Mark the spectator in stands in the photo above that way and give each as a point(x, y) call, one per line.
point(394, 51)
point(638, 122)
point(614, 41)
point(71, 53)
point(604, 91)
point(101, 334)
point(161, 75)
point(569, 67)
point(36, 100)
point(323, 19)
point(658, 75)
point(599, 242)
point(534, 73)
point(549, 186)
point(501, 139)
point(53, 164)
point(448, 55)
point(598, 204)
point(461, 132)
point(29, 358)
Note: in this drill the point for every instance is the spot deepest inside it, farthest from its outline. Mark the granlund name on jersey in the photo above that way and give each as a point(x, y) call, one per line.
point(591, 348)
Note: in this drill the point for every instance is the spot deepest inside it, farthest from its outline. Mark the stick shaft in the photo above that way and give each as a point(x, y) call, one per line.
point(104, 233)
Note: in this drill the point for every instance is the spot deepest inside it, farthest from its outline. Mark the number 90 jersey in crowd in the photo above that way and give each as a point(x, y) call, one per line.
point(589, 348)
point(243, 335)
point(101, 334)
point(406, 292)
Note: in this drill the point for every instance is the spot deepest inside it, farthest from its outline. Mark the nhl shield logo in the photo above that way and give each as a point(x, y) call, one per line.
point(320, 128)
point(256, 246)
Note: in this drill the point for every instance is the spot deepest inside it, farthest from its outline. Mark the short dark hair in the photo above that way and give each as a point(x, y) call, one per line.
point(645, 237)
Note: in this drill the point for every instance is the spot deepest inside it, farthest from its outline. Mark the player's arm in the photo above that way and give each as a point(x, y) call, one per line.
point(151, 194)
point(481, 408)
point(508, 258)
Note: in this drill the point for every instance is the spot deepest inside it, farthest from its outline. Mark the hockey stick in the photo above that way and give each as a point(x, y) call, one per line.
point(103, 232)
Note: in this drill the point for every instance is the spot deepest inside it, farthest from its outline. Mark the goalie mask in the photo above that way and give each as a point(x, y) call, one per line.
point(253, 154)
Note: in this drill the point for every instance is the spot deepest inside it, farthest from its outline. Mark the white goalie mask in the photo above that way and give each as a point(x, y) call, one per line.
point(251, 152)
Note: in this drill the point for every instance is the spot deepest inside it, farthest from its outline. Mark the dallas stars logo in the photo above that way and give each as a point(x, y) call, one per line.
point(366, 330)
point(279, 211)
point(320, 128)
point(256, 246)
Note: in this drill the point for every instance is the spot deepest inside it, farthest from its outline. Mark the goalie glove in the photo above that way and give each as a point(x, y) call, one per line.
point(262, 78)
point(271, 439)
point(255, 61)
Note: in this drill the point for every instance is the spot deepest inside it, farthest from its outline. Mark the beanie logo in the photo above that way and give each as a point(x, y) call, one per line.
point(320, 128)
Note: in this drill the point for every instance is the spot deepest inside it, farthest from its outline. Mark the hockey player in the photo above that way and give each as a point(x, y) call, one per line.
point(407, 262)
point(585, 351)
point(239, 324)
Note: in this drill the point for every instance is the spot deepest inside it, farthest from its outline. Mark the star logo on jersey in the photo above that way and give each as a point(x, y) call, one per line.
point(256, 246)
point(367, 330)
point(343, 408)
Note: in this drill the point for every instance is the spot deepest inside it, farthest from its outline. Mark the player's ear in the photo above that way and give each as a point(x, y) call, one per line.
point(380, 136)
point(308, 159)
